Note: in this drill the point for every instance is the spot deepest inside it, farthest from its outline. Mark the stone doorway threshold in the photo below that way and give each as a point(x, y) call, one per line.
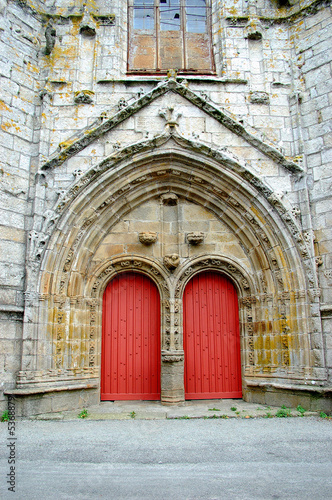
point(154, 410)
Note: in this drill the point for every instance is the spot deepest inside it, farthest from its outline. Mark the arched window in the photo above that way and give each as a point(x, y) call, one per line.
point(169, 34)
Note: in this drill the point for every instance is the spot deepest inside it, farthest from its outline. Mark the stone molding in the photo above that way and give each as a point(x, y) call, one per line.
point(172, 356)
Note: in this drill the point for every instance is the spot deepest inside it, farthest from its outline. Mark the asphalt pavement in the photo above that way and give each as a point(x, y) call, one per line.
point(168, 458)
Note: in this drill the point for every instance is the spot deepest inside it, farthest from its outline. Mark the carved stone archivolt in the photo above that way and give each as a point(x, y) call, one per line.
point(112, 267)
point(204, 263)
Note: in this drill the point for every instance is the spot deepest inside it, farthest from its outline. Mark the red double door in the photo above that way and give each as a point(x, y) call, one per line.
point(131, 339)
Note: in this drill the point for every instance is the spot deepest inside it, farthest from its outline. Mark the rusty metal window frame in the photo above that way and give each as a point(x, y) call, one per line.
point(155, 30)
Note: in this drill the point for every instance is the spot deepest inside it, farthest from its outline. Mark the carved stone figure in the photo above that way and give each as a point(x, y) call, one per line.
point(172, 261)
point(147, 238)
point(195, 238)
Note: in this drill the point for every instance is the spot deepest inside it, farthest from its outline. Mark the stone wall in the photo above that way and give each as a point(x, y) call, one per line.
point(312, 39)
point(262, 121)
point(20, 40)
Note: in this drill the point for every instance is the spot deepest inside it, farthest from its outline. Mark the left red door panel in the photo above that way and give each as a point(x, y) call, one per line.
point(131, 339)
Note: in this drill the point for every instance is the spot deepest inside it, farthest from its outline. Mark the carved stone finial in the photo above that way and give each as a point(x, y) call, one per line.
point(195, 238)
point(122, 104)
point(103, 116)
point(172, 74)
point(78, 172)
point(296, 212)
point(171, 261)
point(170, 116)
point(169, 199)
point(147, 238)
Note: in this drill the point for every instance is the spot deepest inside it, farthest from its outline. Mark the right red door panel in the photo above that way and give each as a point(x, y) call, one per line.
point(211, 338)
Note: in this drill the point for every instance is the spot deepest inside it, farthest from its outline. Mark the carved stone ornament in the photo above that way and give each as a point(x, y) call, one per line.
point(83, 97)
point(50, 36)
point(195, 238)
point(254, 30)
point(172, 261)
point(88, 24)
point(169, 199)
point(148, 237)
point(172, 356)
point(258, 97)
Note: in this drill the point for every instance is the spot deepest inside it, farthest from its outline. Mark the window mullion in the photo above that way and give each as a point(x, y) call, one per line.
point(157, 33)
point(183, 32)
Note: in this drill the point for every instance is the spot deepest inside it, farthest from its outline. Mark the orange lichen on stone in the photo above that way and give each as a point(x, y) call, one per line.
point(66, 144)
point(7, 125)
point(4, 107)
point(258, 214)
point(32, 68)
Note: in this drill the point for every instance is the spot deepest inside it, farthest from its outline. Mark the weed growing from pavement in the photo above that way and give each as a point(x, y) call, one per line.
point(301, 410)
point(322, 415)
point(83, 413)
point(132, 414)
point(213, 409)
point(283, 412)
point(233, 408)
point(5, 416)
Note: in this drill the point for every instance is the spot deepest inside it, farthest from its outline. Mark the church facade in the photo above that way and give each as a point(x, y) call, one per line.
point(165, 202)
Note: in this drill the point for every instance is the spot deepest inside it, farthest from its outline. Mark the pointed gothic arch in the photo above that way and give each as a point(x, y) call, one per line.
point(70, 283)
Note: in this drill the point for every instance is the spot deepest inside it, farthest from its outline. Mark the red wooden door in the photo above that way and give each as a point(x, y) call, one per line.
point(211, 338)
point(131, 339)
